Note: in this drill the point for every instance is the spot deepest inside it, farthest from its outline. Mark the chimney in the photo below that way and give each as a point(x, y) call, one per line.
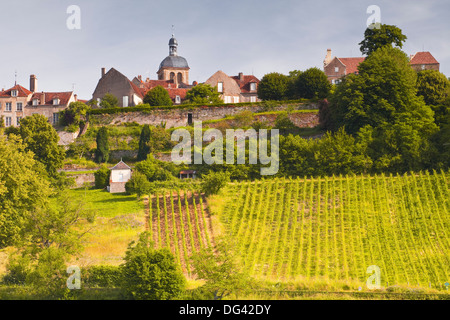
point(42, 98)
point(75, 96)
point(327, 58)
point(33, 83)
point(241, 76)
point(103, 72)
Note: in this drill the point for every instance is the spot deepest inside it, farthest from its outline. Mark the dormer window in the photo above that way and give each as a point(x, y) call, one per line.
point(35, 102)
point(177, 99)
point(252, 86)
point(14, 93)
point(55, 101)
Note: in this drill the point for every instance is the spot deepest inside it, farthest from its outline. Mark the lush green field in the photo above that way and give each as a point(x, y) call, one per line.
point(333, 229)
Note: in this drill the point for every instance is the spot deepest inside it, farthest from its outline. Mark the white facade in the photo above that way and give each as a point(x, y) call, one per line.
point(120, 175)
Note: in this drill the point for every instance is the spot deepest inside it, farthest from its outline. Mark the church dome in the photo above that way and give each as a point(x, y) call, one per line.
point(174, 62)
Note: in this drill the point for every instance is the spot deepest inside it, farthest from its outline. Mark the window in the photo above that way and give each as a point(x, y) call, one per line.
point(8, 106)
point(235, 99)
point(252, 99)
point(179, 77)
point(177, 99)
point(14, 93)
point(35, 102)
point(336, 69)
point(120, 178)
point(252, 86)
point(227, 99)
point(55, 101)
point(423, 67)
point(55, 118)
point(172, 75)
point(220, 87)
point(18, 120)
point(125, 101)
point(19, 106)
point(189, 118)
point(7, 121)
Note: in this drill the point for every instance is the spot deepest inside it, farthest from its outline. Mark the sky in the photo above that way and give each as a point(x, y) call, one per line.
point(250, 36)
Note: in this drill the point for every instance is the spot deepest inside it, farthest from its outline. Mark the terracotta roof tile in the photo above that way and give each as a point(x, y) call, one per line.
point(423, 58)
point(21, 91)
point(244, 84)
point(351, 64)
point(64, 97)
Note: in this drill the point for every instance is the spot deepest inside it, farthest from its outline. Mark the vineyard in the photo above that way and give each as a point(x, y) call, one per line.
point(179, 221)
point(337, 227)
point(329, 228)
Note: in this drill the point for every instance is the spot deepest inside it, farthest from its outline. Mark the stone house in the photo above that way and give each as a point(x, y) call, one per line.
point(120, 175)
point(235, 89)
point(19, 102)
point(424, 61)
point(335, 68)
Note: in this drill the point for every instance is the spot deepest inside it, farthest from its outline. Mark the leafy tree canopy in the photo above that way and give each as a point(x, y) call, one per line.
point(109, 101)
point(313, 83)
point(203, 94)
point(158, 96)
point(273, 86)
point(386, 35)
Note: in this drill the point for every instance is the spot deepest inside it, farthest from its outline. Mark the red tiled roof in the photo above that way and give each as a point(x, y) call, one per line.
point(21, 91)
point(177, 92)
point(423, 58)
point(63, 97)
point(244, 85)
point(351, 64)
point(136, 89)
point(121, 166)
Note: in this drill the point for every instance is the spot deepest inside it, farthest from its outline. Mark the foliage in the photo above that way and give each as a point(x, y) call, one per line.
point(243, 119)
point(273, 86)
point(74, 114)
point(138, 184)
point(144, 140)
point(158, 96)
point(313, 83)
point(102, 151)
point(150, 274)
point(81, 147)
point(103, 276)
point(156, 170)
point(23, 188)
point(284, 123)
point(42, 139)
point(221, 269)
point(433, 86)
point(102, 177)
point(385, 35)
point(214, 181)
point(203, 94)
point(109, 101)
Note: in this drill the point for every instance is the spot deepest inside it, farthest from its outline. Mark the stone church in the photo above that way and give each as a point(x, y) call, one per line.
point(173, 75)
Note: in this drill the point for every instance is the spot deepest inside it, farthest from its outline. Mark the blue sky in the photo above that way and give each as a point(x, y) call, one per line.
point(250, 36)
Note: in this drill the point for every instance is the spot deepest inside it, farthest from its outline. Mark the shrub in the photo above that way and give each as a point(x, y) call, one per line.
point(102, 276)
point(138, 184)
point(214, 181)
point(150, 274)
point(102, 177)
point(158, 96)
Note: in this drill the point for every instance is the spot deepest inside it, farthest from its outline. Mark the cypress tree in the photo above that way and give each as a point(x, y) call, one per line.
point(144, 148)
point(102, 152)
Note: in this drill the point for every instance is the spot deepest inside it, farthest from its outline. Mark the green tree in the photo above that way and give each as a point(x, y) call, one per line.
point(144, 141)
point(74, 115)
point(156, 170)
point(102, 177)
point(386, 35)
point(150, 274)
point(433, 86)
point(138, 184)
point(23, 188)
point(158, 96)
point(221, 269)
point(42, 139)
point(284, 123)
point(214, 181)
point(273, 86)
point(203, 94)
point(109, 101)
point(102, 151)
point(292, 92)
point(313, 83)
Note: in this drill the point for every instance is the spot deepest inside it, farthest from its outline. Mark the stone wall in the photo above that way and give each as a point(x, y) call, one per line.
point(179, 117)
point(82, 178)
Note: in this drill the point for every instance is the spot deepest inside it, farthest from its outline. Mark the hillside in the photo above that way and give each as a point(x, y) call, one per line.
point(333, 229)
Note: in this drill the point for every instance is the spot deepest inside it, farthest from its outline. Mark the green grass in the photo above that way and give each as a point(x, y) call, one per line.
point(107, 204)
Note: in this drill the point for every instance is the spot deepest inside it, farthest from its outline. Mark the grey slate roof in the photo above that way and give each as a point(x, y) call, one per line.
point(121, 166)
point(174, 62)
